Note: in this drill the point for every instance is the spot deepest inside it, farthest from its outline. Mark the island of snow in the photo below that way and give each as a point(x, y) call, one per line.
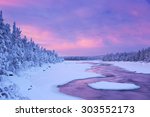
point(113, 86)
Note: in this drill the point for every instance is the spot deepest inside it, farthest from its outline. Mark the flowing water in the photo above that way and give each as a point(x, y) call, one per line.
point(80, 88)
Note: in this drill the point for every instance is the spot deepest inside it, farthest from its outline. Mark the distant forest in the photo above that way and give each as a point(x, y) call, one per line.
point(74, 58)
point(141, 55)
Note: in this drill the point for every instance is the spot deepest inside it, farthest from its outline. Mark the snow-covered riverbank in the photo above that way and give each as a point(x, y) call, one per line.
point(41, 83)
point(139, 67)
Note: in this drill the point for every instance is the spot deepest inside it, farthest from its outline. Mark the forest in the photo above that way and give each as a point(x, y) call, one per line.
point(17, 52)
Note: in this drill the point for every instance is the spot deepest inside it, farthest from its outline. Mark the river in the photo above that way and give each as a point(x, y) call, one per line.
point(80, 87)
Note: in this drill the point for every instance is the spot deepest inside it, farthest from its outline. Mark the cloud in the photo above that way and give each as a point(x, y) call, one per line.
point(28, 3)
point(51, 40)
point(82, 26)
point(37, 34)
point(80, 43)
point(12, 2)
point(8, 2)
point(148, 1)
point(83, 12)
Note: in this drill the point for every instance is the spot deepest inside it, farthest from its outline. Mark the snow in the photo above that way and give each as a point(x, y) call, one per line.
point(139, 67)
point(41, 83)
point(113, 86)
point(8, 90)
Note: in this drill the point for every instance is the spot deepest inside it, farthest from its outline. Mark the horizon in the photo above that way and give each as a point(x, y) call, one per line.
point(82, 27)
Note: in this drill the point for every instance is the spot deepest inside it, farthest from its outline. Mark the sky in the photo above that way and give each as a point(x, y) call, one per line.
point(82, 27)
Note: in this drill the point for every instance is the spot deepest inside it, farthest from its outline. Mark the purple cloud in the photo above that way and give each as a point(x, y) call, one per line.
point(103, 26)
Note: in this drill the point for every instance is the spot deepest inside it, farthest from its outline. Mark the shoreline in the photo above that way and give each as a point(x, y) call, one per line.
point(80, 88)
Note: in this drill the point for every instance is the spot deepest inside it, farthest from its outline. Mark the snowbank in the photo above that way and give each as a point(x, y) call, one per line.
point(113, 86)
point(41, 82)
point(9, 90)
point(139, 67)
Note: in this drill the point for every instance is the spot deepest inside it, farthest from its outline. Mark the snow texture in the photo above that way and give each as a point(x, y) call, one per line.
point(9, 90)
point(41, 83)
point(113, 86)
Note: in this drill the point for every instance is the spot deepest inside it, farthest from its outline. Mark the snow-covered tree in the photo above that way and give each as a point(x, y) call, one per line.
point(1, 19)
point(141, 55)
point(17, 52)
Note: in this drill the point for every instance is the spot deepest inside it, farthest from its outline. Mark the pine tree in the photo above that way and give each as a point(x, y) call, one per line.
point(1, 19)
point(16, 31)
point(17, 52)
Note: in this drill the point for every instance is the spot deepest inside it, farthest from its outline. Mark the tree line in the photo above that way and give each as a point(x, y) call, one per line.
point(19, 52)
point(141, 55)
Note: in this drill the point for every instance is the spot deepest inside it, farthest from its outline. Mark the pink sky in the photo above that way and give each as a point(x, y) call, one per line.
point(82, 27)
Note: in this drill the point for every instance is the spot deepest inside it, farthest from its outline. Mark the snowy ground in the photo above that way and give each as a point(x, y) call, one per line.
point(113, 86)
point(139, 67)
point(41, 83)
